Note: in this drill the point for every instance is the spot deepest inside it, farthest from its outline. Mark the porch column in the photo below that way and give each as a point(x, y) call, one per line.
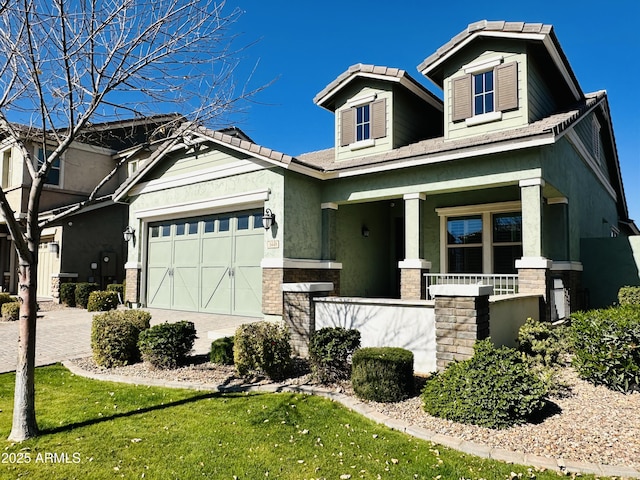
point(329, 212)
point(412, 268)
point(533, 268)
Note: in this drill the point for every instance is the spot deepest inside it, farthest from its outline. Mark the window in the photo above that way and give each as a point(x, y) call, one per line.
point(481, 238)
point(483, 93)
point(507, 241)
point(464, 245)
point(6, 169)
point(53, 177)
point(363, 123)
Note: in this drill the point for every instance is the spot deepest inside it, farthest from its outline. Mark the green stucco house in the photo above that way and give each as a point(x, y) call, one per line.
point(499, 182)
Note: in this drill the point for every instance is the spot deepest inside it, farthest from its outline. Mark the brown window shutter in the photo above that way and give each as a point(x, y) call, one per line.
point(379, 118)
point(347, 126)
point(462, 101)
point(506, 86)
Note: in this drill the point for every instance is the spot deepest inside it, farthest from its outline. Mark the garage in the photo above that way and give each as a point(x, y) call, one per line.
point(207, 264)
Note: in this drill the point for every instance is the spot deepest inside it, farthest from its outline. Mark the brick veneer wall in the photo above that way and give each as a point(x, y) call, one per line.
point(299, 313)
point(461, 319)
point(132, 288)
point(273, 278)
point(412, 284)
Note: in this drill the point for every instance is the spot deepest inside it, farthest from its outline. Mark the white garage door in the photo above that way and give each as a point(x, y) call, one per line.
point(207, 264)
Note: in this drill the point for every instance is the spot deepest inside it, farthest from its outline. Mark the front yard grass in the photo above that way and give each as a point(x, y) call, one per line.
point(103, 430)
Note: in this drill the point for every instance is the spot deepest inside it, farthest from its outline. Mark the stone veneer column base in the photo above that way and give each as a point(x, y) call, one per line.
point(412, 282)
point(274, 278)
point(132, 288)
point(534, 278)
point(462, 318)
point(300, 312)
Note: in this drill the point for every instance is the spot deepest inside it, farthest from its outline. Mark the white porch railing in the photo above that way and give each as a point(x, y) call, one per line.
point(502, 284)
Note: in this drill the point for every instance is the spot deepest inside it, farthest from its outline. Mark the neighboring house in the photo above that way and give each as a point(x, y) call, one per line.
point(80, 244)
point(502, 179)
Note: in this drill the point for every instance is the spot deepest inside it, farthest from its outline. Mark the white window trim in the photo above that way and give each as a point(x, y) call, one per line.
point(369, 142)
point(483, 65)
point(486, 211)
point(360, 101)
point(483, 118)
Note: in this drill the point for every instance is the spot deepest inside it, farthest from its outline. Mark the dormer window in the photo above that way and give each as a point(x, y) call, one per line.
point(483, 93)
point(362, 122)
point(488, 88)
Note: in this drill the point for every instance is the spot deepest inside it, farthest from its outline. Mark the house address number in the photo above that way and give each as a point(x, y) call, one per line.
point(273, 243)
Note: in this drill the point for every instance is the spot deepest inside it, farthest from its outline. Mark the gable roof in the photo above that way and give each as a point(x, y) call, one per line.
point(538, 34)
point(438, 149)
point(325, 98)
point(189, 135)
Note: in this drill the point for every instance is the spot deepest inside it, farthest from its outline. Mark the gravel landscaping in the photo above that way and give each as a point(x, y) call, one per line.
point(584, 423)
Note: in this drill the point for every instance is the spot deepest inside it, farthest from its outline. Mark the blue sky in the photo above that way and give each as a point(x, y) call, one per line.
point(304, 45)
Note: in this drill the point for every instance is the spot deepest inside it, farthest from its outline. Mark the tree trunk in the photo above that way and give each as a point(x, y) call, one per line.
point(24, 410)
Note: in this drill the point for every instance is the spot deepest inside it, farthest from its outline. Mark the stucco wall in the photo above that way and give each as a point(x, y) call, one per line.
point(385, 323)
point(302, 219)
point(609, 263)
point(508, 313)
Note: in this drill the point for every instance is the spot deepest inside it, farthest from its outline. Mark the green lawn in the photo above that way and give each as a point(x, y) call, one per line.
point(95, 430)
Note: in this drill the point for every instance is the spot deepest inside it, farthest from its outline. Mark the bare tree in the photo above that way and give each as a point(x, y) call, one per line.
point(68, 64)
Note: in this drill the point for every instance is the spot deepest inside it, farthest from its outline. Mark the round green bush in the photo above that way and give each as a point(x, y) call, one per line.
point(10, 311)
point(167, 345)
point(68, 294)
point(495, 388)
point(83, 290)
point(102, 301)
point(264, 347)
point(222, 351)
point(114, 338)
point(330, 349)
point(382, 374)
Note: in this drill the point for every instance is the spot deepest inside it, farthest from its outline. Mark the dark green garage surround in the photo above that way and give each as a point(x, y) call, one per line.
point(207, 264)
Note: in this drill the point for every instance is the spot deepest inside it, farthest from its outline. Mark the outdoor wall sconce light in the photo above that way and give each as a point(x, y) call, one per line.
point(268, 219)
point(129, 233)
point(54, 247)
point(365, 231)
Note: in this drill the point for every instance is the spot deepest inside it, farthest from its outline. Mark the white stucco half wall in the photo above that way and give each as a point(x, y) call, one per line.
point(385, 323)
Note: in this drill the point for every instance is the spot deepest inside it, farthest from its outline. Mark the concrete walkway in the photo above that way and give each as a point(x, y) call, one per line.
point(65, 333)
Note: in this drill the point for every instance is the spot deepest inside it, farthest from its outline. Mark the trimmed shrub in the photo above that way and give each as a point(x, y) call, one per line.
point(382, 374)
point(629, 296)
point(6, 298)
point(114, 337)
point(607, 346)
point(68, 294)
point(10, 311)
point(140, 318)
point(495, 388)
point(542, 343)
point(83, 290)
point(167, 345)
point(118, 288)
point(264, 347)
point(330, 350)
point(102, 301)
point(222, 351)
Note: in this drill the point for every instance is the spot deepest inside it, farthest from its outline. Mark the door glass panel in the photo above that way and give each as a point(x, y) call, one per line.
point(243, 222)
point(192, 228)
point(166, 230)
point(179, 228)
point(155, 231)
point(223, 224)
point(209, 225)
point(257, 221)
